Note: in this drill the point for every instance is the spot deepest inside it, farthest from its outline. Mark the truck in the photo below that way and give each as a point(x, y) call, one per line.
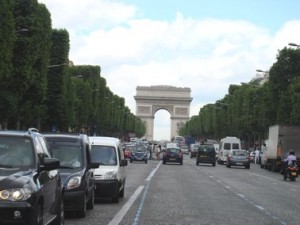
point(282, 139)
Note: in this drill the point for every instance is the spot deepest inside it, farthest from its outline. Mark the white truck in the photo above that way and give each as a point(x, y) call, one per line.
point(281, 140)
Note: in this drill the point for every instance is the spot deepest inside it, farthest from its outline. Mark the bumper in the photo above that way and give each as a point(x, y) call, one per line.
point(74, 200)
point(239, 163)
point(106, 188)
point(179, 160)
point(21, 213)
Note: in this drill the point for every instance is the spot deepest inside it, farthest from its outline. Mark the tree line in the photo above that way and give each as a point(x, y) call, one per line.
point(248, 109)
point(40, 87)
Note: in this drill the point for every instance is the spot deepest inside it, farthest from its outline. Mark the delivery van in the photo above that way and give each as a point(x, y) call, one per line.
point(226, 145)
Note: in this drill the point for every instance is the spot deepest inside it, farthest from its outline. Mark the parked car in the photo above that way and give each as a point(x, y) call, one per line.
point(194, 150)
point(184, 149)
point(76, 170)
point(139, 153)
point(110, 177)
point(172, 155)
point(238, 158)
point(206, 154)
point(30, 185)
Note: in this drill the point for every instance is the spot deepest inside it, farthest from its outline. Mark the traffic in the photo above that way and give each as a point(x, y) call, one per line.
point(90, 173)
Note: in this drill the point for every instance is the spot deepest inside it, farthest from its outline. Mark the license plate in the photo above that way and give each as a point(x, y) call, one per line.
point(203, 156)
point(294, 173)
point(239, 163)
point(172, 159)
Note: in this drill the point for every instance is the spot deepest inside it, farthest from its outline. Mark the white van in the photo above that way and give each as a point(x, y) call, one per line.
point(227, 144)
point(110, 177)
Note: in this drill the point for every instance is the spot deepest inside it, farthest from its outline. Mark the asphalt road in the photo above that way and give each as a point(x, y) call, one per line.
point(201, 195)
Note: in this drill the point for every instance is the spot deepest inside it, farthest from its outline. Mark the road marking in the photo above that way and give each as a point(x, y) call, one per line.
point(119, 216)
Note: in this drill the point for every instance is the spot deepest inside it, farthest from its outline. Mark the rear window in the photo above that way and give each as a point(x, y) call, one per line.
point(235, 146)
point(239, 153)
point(173, 150)
point(207, 149)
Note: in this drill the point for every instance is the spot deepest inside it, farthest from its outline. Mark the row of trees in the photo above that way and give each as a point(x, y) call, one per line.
point(249, 109)
point(41, 88)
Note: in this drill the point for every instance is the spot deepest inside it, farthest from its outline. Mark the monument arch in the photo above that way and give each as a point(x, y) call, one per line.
point(175, 100)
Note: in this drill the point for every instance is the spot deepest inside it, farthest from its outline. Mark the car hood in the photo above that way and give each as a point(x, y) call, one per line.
point(12, 179)
point(65, 174)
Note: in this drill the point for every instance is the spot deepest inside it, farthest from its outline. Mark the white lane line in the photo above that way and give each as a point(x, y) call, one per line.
point(153, 172)
point(119, 216)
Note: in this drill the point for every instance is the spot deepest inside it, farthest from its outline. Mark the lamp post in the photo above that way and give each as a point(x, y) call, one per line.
point(294, 45)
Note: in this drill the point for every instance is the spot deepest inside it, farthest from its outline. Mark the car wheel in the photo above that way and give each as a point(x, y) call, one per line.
point(214, 164)
point(91, 201)
point(197, 163)
point(247, 167)
point(38, 215)
point(60, 216)
point(121, 195)
point(115, 199)
point(82, 212)
point(164, 162)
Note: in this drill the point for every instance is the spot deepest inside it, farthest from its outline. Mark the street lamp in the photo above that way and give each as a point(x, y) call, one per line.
point(294, 45)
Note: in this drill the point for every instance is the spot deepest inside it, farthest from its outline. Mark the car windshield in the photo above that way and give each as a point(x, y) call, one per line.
point(139, 148)
point(172, 150)
point(70, 156)
point(16, 153)
point(239, 153)
point(105, 155)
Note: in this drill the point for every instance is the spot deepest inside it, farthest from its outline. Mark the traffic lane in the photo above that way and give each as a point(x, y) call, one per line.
point(184, 195)
point(266, 190)
point(104, 210)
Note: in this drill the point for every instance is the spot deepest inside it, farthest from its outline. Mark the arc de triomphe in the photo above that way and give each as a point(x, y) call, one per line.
point(150, 99)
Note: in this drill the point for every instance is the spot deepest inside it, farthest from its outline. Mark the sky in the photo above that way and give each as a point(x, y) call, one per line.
point(205, 45)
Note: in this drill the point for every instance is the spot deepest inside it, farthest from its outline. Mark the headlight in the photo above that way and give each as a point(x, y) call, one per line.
point(74, 182)
point(110, 175)
point(18, 194)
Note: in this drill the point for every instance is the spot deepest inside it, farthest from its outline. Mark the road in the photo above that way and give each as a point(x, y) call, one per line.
point(201, 195)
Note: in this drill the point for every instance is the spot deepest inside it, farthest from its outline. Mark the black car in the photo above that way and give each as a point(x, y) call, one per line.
point(30, 185)
point(238, 158)
point(76, 170)
point(172, 154)
point(139, 153)
point(206, 154)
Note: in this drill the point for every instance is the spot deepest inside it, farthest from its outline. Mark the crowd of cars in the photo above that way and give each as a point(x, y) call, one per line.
point(44, 176)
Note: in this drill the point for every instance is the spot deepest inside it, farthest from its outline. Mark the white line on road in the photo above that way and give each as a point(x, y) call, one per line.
point(119, 216)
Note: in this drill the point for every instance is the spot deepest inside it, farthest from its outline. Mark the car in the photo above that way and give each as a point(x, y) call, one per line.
point(184, 149)
point(238, 158)
point(226, 145)
point(139, 153)
point(30, 186)
point(252, 156)
point(110, 177)
point(76, 170)
point(173, 154)
point(194, 150)
point(127, 148)
point(206, 154)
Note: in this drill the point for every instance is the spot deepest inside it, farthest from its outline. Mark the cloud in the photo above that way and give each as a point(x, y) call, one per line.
point(206, 55)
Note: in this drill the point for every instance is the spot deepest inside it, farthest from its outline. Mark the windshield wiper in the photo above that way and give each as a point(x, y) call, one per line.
point(6, 166)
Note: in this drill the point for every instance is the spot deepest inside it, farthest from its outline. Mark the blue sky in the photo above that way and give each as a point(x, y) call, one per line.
point(204, 45)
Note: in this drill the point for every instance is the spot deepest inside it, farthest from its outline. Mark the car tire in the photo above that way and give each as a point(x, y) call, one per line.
point(91, 201)
point(247, 167)
point(164, 162)
point(115, 199)
point(214, 164)
point(60, 216)
point(181, 162)
point(197, 163)
point(121, 195)
point(82, 212)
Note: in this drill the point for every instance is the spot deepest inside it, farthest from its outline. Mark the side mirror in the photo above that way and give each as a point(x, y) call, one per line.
point(123, 162)
point(94, 165)
point(50, 164)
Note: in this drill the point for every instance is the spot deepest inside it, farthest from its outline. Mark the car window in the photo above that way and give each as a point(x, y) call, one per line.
point(239, 153)
point(68, 155)
point(207, 149)
point(173, 150)
point(105, 155)
point(235, 146)
point(227, 146)
point(16, 152)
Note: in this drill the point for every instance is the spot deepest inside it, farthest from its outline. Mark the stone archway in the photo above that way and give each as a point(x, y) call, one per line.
point(150, 99)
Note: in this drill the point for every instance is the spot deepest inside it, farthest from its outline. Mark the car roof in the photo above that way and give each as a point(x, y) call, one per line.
point(96, 140)
point(29, 132)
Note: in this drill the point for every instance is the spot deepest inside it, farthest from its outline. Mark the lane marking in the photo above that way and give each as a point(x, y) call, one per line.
point(122, 212)
point(119, 216)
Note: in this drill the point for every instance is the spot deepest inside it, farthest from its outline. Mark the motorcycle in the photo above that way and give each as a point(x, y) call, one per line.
point(291, 171)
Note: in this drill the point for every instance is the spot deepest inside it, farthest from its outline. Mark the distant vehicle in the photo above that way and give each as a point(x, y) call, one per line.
point(76, 170)
point(194, 150)
point(139, 153)
point(110, 177)
point(238, 158)
point(226, 145)
point(30, 185)
point(127, 150)
point(172, 155)
point(206, 154)
point(281, 140)
point(184, 149)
